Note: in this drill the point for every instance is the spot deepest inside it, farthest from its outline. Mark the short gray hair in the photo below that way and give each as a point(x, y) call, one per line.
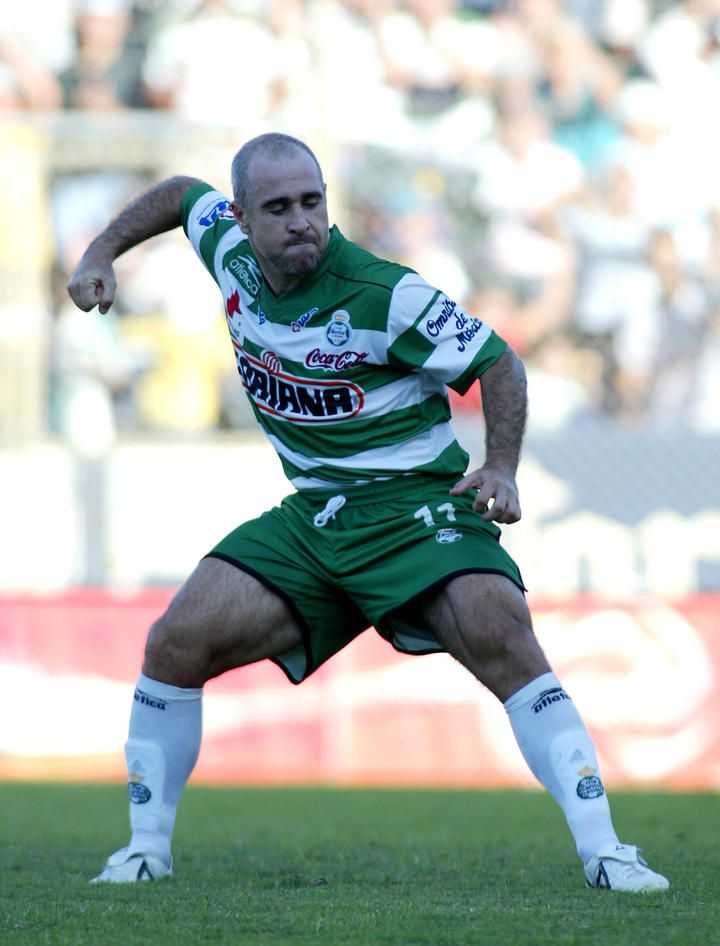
point(273, 144)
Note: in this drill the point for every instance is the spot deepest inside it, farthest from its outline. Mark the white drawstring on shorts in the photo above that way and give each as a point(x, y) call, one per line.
point(333, 505)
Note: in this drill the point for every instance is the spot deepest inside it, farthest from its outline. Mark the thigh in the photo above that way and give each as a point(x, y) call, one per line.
point(483, 620)
point(285, 552)
point(221, 618)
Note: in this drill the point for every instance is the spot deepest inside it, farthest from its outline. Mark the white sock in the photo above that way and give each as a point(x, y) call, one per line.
point(556, 745)
point(161, 751)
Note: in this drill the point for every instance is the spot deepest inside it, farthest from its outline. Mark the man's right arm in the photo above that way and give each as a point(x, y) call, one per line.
point(156, 211)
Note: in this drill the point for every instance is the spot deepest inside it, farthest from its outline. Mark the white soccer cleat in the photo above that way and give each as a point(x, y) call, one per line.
point(622, 868)
point(128, 867)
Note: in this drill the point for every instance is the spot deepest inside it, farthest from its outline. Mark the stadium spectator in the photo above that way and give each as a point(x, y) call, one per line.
point(619, 29)
point(523, 179)
point(177, 76)
point(673, 176)
point(36, 56)
point(93, 377)
point(685, 319)
point(25, 80)
point(680, 51)
point(385, 528)
point(704, 377)
point(538, 329)
point(442, 63)
point(417, 232)
point(352, 69)
point(612, 313)
point(299, 89)
point(105, 72)
point(434, 55)
point(577, 92)
point(522, 27)
point(563, 383)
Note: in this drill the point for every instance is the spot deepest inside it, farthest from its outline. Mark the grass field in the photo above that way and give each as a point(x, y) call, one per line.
point(333, 867)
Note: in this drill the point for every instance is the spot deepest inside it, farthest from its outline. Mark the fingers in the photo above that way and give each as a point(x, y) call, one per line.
point(89, 289)
point(107, 296)
point(496, 499)
point(92, 283)
point(463, 485)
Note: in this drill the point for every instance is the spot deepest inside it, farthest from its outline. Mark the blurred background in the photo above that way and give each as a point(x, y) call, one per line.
point(550, 164)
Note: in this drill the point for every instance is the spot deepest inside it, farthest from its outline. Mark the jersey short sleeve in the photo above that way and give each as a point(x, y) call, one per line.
point(207, 219)
point(430, 332)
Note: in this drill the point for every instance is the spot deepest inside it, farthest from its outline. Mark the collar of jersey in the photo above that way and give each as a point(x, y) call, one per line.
point(331, 250)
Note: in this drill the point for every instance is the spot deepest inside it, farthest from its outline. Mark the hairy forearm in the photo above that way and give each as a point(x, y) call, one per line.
point(504, 394)
point(155, 211)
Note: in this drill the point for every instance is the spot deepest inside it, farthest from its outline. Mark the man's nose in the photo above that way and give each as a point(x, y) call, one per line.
point(297, 219)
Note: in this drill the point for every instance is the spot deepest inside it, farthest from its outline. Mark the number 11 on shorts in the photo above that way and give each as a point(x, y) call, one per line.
point(425, 513)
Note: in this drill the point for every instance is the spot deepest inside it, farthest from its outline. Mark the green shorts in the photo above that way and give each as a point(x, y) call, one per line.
point(345, 566)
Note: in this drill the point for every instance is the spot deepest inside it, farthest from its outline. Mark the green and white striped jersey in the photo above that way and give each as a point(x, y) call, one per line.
point(347, 372)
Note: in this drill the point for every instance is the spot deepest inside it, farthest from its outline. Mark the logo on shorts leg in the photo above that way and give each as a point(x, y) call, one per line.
point(445, 536)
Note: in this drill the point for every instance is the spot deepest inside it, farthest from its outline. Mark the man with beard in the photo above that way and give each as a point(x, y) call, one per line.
point(346, 359)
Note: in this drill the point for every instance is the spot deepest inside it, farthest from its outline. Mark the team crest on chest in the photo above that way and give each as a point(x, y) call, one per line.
point(339, 330)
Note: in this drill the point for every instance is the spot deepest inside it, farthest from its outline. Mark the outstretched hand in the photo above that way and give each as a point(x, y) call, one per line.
point(496, 490)
point(92, 284)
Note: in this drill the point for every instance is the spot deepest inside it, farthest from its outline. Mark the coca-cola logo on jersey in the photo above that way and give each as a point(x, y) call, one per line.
point(334, 361)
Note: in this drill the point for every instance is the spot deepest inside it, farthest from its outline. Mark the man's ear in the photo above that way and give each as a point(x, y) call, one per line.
point(240, 217)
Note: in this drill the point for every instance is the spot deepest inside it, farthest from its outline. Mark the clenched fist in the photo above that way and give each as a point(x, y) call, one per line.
point(92, 284)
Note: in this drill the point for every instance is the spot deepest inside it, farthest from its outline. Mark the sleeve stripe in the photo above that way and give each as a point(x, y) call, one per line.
point(487, 356)
point(427, 308)
point(410, 347)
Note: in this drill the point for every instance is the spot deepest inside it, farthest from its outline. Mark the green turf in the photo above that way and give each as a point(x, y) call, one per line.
point(327, 867)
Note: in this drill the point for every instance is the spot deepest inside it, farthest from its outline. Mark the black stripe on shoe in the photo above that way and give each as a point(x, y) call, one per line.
point(144, 871)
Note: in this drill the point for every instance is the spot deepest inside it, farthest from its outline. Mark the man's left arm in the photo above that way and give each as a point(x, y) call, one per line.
point(504, 397)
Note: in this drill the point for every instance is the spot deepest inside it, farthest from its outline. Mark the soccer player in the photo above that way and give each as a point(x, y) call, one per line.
point(345, 359)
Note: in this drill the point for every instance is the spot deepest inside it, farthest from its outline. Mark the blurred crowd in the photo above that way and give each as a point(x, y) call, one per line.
point(549, 163)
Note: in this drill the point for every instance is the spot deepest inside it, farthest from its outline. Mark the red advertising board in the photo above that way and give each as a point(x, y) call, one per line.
point(644, 673)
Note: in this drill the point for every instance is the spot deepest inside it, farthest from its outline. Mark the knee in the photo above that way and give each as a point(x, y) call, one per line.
point(507, 640)
point(512, 657)
point(172, 655)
